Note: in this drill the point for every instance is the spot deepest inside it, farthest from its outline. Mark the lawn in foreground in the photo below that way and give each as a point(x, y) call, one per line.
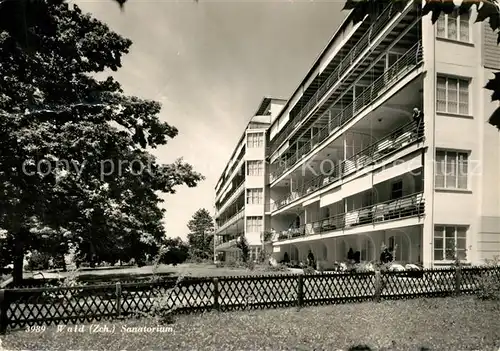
point(438, 324)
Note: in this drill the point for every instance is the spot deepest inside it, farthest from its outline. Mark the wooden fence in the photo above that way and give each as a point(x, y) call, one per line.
point(62, 305)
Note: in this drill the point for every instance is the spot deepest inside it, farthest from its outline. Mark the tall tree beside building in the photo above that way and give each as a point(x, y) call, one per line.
point(201, 235)
point(74, 165)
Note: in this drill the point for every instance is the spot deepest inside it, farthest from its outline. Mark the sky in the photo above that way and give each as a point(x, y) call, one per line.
point(210, 64)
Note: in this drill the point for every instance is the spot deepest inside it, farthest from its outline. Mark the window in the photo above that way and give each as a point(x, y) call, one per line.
point(397, 189)
point(254, 224)
point(391, 59)
point(254, 254)
point(254, 196)
point(255, 140)
point(454, 27)
point(451, 169)
point(255, 168)
point(367, 250)
point(452, 95)
point(450, 242)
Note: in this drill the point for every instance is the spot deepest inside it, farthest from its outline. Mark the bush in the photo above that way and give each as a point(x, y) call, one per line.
point(250, 265)
point(38, 261)
point(489, 287)
point(309, 270)
point(277, 268)
point(242, 244)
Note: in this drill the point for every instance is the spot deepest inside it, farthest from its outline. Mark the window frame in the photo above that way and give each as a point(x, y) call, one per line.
point(255, 165)
point(443, 237)
point(253, 222)
point(458, 167)
point(393, 183)
point(255, 140)
point(255, 196)
point(445, 19)
point(460, 82)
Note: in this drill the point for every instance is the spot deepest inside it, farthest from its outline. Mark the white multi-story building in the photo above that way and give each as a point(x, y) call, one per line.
point(240, 192)
point(386, 142)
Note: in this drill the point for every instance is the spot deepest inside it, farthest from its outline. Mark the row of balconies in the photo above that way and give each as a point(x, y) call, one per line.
point(223, 224)
point(236, 189)
point(335, 76)
point(403, 207)
point(231, 170)
point(381, 149)
point(411, 59)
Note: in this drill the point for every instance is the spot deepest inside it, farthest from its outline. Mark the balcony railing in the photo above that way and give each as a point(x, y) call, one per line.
point(236, 189)
point(220, 246)
point(406, 63)
point(395, 141)
point(334, 77)
point(404, 207)
point(233, 167)
point(233, 218)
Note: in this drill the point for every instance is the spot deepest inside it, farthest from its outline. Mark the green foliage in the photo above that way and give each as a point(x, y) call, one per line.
point(38, 261)
point(174, 251)
point(486, 10)
point(242, 244)
point(489, 287)
point(309, 270)
point(201, 236)
point(98, 187)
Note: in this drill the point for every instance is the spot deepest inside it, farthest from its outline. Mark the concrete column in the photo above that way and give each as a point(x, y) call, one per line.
point(429, 85)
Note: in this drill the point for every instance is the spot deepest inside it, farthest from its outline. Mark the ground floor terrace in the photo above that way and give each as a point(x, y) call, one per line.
point(368, 243)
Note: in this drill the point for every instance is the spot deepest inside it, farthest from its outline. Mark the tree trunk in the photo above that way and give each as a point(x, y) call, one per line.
point(92, 255)
point(17, 273)
point(64, 268)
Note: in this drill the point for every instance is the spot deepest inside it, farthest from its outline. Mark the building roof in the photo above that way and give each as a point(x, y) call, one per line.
point(266, 100)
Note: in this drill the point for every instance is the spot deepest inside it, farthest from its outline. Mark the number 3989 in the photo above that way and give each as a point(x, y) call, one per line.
point(35, 328)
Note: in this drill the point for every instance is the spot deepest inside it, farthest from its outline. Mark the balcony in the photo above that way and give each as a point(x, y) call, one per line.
point(409, 61)
point(404, 207)
point(238, 215)
point(336, 75)
point(236, 190)
point(226, 245)
point(397, 140)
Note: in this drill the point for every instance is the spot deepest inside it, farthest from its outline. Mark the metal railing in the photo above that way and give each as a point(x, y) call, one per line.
point(406, 63)
point(234, 217)
point(406, 206)
point(236, 189)
point(334, 77)
point(225, 245)
point(234, 166)
point(393, 142)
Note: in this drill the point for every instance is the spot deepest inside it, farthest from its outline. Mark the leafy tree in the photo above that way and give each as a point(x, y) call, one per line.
point(486, 9)
point(175, 251)
point(201, 236)
point(74, 166)
point(242, 244)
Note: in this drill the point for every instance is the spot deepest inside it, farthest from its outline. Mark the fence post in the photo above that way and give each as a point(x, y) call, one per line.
point(4, 306)
point(378, 286)
point(118, 299)
point(216, 294)
point(300, 290)
point(458, 280)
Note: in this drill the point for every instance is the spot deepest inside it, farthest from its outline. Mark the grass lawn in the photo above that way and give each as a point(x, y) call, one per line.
point(438, 324)
point(114, 274)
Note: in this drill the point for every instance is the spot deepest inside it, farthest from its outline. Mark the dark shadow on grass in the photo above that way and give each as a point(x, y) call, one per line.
point(115, 278)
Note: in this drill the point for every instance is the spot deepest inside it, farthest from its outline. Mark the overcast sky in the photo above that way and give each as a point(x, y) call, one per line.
point(210, 63)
